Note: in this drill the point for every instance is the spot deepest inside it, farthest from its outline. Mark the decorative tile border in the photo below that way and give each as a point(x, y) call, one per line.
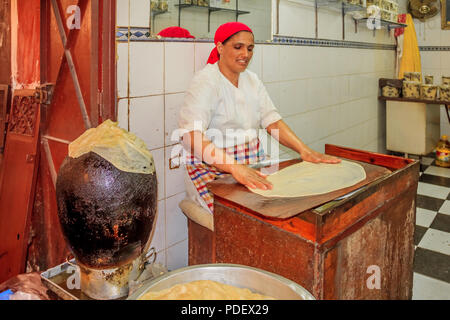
point(134, 33)
point(435, 48)
point(298, 41)
point(143, 34)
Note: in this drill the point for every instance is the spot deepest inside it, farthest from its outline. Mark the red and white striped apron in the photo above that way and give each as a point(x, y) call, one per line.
point(202, 173)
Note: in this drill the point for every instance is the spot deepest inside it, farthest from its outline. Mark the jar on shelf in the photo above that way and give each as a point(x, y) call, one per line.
point(413, 76)
point(163, 5)
point(411, 89)
point(203, 3)
point(445, 81)
point(428, 92)
point(429, 79)
point(444, 93)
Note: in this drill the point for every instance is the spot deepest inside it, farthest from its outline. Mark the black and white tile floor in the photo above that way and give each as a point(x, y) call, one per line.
point(432, 233)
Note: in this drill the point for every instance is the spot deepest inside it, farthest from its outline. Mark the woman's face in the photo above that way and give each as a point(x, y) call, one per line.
point(237, 52)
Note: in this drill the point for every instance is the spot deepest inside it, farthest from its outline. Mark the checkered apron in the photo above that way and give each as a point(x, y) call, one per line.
point(202, 173)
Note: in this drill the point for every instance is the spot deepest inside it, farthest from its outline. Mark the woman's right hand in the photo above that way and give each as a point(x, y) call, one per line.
point(250, 177)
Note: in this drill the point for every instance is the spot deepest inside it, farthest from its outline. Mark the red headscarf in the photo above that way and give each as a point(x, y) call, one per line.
point(223, 33)
point(175, 32)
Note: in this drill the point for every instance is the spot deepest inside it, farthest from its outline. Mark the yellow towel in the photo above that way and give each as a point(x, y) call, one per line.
point(410, 60)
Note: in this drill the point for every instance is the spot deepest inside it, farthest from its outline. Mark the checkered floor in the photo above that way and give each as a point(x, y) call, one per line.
point(432, 233)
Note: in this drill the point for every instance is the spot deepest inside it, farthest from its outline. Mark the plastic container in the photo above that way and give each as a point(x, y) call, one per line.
point(443, 152)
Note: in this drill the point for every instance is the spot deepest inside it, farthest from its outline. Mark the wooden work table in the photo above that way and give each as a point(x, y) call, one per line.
point(329, 247)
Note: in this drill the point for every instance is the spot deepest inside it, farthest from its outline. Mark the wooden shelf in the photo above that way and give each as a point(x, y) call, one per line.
point(447, 103)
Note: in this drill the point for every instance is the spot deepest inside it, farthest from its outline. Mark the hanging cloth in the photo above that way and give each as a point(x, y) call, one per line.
point(409, 56)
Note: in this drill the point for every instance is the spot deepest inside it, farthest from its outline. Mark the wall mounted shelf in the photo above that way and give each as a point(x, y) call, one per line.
point(344, 7)
point(383, 23)
point(210, 9)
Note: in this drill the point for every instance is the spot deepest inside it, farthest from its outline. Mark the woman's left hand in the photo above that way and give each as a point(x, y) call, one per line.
point(317, 157)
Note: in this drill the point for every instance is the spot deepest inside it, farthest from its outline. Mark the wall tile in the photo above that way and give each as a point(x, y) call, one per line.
point(294, 97)
point(329, 24)
point(273, 89)
point(122, 113)
point(445, 59)
point(158, 157)
point(202, 52)
point(176, 221)
point(146, 68)
point(271, 63)
point(297, 19)
point(147, 120)
point(179, 66)
point(256, 62)
point(158, 233)
point(174, 177)
point(177, 256)
point(140, 13)
point(296, 62)
point(123, 13)
point(430, 59)
point(319, 92)
point(172, 105)
point(122, 70)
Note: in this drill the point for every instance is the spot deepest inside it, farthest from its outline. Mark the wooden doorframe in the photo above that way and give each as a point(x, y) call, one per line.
point(103, 57)
point(42, 254)
point(108, 109)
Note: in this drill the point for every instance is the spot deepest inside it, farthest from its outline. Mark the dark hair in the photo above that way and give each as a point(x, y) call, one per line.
point(226, 40)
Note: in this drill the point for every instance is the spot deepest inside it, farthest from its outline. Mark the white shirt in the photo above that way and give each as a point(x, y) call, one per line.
point(227, 115)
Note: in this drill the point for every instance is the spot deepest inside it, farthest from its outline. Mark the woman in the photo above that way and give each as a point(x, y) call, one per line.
point(223, 109)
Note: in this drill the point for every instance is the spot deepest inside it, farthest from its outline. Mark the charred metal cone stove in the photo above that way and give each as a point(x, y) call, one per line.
point(107, 216)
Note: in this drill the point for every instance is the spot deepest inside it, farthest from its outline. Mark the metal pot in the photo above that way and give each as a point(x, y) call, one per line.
point(257, 280)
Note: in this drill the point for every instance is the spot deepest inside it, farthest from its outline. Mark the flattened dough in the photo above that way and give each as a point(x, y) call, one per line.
point(308, 179)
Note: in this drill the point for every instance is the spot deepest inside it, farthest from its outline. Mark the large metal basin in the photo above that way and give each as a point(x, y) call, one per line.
point(257, 280)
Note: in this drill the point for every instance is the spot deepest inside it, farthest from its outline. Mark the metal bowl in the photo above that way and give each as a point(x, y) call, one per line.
point(257, 280)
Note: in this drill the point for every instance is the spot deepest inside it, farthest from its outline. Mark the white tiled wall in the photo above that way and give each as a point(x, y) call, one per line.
point(327, 95)
point(435, 63)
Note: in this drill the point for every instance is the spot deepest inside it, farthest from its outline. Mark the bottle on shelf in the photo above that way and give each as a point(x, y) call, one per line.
point(443, 152)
